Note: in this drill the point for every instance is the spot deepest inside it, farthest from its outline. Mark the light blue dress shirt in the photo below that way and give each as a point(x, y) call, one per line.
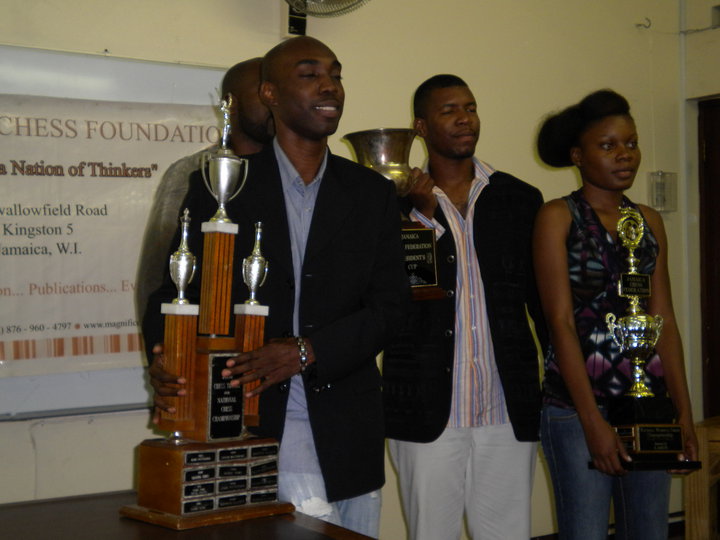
point(297, 451)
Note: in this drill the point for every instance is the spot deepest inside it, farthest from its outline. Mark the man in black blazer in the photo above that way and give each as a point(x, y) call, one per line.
point(336, 289)
point(460, 383)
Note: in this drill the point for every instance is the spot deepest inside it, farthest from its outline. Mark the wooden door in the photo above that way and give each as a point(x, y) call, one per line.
point(709, 144)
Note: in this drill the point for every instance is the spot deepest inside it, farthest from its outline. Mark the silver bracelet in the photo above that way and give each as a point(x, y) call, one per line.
point(303, 353)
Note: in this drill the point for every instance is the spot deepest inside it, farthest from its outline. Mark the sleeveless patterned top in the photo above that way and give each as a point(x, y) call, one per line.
point(595, 262)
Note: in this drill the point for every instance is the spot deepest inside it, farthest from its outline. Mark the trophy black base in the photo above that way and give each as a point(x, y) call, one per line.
point(647, 428)
point(656, 462)
point(661, 463)
point(643, 410)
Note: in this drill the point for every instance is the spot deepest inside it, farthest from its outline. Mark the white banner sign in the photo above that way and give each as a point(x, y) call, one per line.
point(76, 182)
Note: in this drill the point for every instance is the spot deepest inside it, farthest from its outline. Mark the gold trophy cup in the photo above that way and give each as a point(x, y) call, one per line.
point(644, 422)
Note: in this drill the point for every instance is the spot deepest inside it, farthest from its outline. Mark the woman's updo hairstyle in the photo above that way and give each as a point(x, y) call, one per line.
point(560, 132)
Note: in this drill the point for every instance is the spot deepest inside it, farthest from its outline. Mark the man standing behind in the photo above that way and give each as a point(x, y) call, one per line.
point(462, 395)
point(336, 283)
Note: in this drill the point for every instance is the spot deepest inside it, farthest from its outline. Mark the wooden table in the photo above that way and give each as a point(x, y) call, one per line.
point(90, 517)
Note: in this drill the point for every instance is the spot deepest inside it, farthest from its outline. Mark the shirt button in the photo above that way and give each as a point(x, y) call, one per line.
point(450, 293)
point(451, 258)
point(448, 333)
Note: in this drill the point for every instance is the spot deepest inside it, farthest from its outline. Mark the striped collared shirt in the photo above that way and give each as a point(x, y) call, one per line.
point(477, 397)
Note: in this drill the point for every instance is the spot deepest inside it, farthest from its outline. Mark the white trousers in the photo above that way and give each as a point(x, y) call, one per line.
point(483, 472)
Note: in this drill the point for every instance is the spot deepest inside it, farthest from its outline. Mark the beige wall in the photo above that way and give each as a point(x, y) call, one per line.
point(702, 49)
point(522, 58)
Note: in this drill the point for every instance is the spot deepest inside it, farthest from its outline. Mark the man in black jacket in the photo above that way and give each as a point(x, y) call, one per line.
point(336, 284)
point(461, 387)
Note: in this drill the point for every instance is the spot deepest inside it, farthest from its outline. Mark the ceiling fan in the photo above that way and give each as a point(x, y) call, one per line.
point(325, 8)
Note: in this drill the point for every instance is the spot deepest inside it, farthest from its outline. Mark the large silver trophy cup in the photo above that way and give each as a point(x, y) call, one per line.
point(226, 173)
point(387, 151)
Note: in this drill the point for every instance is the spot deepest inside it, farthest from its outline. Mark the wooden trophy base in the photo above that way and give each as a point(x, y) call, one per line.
point(187, 484)
point(428, 293)
point(179, 523)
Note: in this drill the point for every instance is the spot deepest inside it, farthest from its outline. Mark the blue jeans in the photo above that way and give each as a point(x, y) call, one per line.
point(583, 495)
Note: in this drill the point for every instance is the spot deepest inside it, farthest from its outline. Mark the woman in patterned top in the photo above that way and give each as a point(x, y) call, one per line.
point(578, 261)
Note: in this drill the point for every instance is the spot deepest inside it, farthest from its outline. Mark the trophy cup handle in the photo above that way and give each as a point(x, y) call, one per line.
point(245, 167)
point(203, 166)
point(614, 328)
point(658, 328)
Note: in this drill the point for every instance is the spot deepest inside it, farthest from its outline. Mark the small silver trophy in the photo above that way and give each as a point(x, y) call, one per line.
point(255, 267)
point(182, 262)
point(224, 168)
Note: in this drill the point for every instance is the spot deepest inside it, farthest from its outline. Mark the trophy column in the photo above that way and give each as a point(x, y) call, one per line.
point(250, 319)
point(216, 287)
point(180, 334)
point(180, 339)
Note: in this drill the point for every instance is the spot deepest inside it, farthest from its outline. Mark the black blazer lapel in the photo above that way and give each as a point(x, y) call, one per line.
point(332, 208)
point(263, 200)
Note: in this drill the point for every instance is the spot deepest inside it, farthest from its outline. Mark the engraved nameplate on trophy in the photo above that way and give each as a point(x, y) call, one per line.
point(644, 422)
point(419, 255)
point(634, 285)
point(226, 402)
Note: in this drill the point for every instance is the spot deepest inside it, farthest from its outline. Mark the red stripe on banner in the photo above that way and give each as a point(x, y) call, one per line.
point(20, 349)
point(133, 342)
point(28, 349)
point(58, 348)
